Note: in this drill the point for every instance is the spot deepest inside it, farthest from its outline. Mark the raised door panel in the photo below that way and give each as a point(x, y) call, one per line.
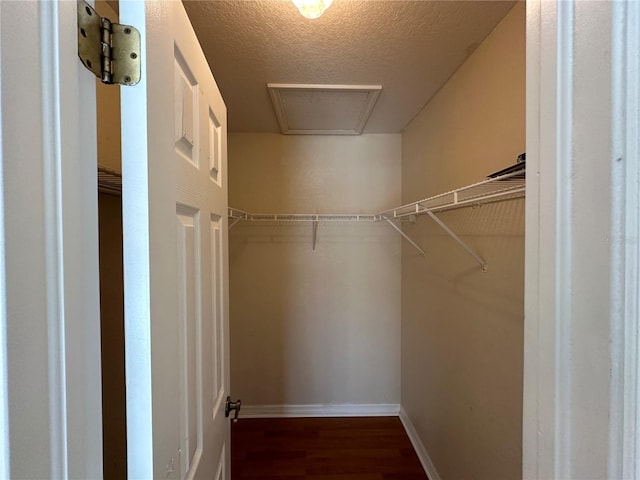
point(217, 358)
point(190, 337)
point(214, 148)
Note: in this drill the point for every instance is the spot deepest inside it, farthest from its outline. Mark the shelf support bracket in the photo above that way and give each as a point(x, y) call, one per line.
point(404, 235)
point(467, 248)
point(315, 234)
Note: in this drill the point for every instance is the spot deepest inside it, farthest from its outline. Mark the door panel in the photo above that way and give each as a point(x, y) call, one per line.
point(217, 358)
point(190, 327)
point(214, 152)
point(185, 97)
point(176, 220)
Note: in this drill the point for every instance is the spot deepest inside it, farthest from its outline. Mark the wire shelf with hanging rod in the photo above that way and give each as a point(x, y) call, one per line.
point(502, 187)
point(506, 184)
point(236, 214)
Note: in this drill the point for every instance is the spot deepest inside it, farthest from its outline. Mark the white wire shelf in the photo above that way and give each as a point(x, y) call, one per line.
point(504, 187)
point(236, 214)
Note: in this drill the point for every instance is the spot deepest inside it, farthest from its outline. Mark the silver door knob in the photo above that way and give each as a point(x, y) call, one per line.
point(232, 406)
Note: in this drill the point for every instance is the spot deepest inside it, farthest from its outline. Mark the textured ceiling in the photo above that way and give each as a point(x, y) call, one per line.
point(410, 48)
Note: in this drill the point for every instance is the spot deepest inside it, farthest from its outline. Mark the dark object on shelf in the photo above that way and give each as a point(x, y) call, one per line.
point(519, 166)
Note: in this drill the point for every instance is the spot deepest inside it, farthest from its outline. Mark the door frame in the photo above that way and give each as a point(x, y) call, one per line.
point(582, 295)
point(50, 299)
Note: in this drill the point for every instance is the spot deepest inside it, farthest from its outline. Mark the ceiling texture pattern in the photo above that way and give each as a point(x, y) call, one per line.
point(410, 48)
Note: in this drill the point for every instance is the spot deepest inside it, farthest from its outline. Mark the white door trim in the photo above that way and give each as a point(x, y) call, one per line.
point(535, 409)
point(624, 458)
point(4, 405)
point(50, 239)
point(582, 296)
point(548, 257)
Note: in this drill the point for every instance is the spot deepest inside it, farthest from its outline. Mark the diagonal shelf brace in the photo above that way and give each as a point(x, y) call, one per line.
point(458, 239)
point(404, 235)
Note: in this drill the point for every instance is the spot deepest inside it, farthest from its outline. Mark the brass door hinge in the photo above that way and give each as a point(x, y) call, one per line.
point(110, 50)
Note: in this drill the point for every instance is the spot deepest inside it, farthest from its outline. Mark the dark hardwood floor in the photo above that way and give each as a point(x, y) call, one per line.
point(370, 448)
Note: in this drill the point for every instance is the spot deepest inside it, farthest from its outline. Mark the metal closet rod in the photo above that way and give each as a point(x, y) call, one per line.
point(300, 217)
point(504, 187)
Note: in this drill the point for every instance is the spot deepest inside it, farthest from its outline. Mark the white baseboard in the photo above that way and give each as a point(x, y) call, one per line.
point(320, 410)
point(427, 464)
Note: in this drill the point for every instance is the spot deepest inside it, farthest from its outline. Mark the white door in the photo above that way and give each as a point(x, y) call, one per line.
point(175, 251)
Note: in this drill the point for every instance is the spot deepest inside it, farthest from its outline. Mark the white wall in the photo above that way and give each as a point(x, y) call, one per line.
point(462, 329)
point(323, 326)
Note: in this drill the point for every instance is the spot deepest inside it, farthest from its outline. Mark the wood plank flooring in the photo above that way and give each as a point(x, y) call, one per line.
point(363, 448)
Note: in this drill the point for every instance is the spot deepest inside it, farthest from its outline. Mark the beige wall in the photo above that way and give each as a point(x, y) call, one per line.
point(462, 330)
point(323, 326)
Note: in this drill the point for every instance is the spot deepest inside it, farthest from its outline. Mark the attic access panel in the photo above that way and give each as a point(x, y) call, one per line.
point(323, 109)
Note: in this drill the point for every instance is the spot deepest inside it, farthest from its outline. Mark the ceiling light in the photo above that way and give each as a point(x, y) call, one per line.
point(312, 8)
